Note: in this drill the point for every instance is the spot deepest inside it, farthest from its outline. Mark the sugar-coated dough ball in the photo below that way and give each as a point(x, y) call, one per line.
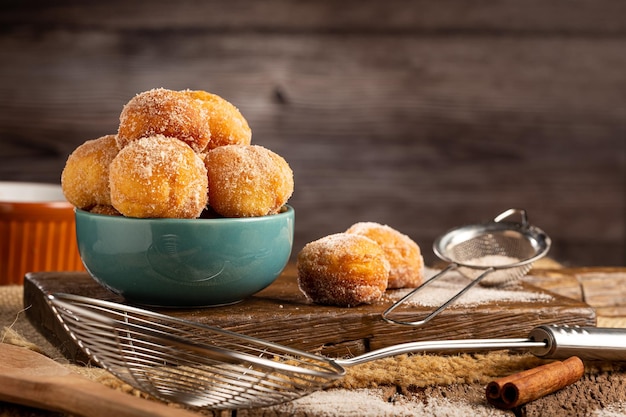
point(85, 177)
point(165, 112)
point(226, 123)
point(247, 180)
point(158, 176)
point(105, 210)
point(404, 255)
point(343, 269)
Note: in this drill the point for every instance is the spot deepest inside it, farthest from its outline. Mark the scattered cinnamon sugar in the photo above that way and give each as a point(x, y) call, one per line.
point(502, 273)
point(438, 292)
point(491, 260)
point(617, 409)
point(372, 402)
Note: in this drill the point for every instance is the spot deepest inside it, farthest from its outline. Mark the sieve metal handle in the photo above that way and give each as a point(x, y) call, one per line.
point(510, 212)
point(433, 314)
point(456, 263)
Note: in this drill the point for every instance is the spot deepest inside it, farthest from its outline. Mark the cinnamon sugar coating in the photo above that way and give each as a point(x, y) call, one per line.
point(343, 270)
point(247, 180)
point(165, 112)
point(158, 176)
point(226, 123)
point(85, 177)
point(404, 255)
point(106, 210)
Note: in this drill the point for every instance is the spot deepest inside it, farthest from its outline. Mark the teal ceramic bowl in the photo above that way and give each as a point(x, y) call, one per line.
point(185, 262)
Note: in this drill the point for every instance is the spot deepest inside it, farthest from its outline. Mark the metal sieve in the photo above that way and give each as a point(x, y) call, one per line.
point(197, 365)
point(500, 251)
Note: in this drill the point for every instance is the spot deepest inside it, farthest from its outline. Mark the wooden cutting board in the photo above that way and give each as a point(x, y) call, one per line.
point(282, 314)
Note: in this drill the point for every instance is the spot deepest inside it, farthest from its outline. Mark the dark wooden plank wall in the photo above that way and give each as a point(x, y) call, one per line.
point(424, 115)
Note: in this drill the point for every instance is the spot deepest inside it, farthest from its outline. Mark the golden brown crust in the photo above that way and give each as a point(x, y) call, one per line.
point(158, 177)
point(343, 269)
point(404, 255)
point(247, 180)
point(150, 179)
point(165, 112)
point(226, 123)
point(85, 177)
point(106, 210)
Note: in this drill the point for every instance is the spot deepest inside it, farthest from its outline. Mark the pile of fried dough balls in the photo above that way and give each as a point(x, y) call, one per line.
point(188, 154)
point(357, 266)
point(177, 154)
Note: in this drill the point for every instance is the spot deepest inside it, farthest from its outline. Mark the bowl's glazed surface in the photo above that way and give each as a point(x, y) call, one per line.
point(185, 262)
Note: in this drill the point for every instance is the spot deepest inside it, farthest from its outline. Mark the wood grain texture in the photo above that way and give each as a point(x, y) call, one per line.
point(281, 314)
point(421, 115)
point(602, 288)
point(32, 379)
point(370, 16)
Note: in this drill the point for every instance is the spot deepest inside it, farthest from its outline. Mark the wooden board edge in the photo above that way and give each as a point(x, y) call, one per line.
point(41, 317)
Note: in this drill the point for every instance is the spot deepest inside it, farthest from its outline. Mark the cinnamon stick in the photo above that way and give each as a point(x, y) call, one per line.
point(494, 388)
point(529, 385)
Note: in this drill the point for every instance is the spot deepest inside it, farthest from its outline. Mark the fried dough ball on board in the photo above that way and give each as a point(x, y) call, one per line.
point(85, 177)
point(158, 176)
point(247, 180)
point(164, 112)
point(227, 125)
point(404, 255)
point(343, 269)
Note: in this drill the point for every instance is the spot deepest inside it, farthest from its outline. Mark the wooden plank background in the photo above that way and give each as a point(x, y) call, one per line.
point(424, 115)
